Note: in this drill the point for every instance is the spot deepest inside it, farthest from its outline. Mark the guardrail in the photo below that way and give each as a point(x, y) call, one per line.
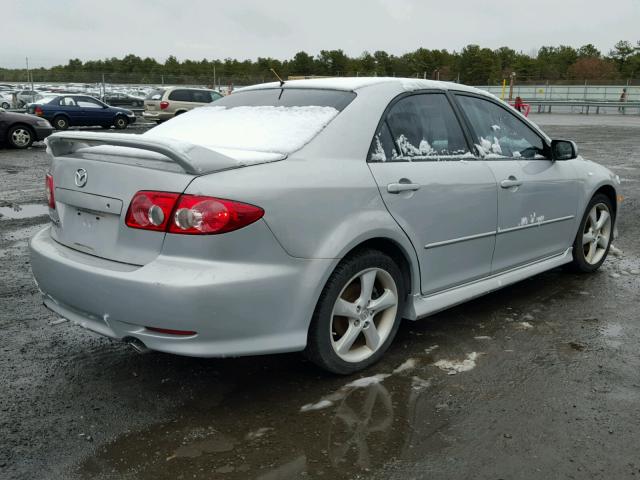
point(545, 106)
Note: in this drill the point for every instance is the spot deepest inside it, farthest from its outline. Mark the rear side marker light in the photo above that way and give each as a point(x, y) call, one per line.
point(168, 331)
point(50, 189)
point(189, 214)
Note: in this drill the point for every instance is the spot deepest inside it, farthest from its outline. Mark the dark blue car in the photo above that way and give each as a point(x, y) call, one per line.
point(66, 111)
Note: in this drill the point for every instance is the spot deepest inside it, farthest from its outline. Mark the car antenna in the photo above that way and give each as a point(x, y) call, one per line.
point(278, 77)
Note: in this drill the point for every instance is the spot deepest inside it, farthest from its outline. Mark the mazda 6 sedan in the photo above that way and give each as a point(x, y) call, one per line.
point(311, 216)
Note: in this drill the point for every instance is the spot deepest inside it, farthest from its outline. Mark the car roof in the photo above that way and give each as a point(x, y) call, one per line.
point(184, 88)
point(358, 83)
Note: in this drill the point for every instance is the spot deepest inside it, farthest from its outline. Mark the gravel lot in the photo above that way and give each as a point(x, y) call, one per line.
point(554, 392)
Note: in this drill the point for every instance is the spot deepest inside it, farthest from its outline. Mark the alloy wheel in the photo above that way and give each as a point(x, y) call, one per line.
point(21, 137)
point(363, 315)
point(596, 234)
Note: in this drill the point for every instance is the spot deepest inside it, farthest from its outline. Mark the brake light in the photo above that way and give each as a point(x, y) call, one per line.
point(50, 189)
point(38, 111)
point(151, 210)
point(163, 105)
point(196, 215)
point(189, 214)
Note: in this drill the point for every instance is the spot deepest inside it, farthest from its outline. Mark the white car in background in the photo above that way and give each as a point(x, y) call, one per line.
point(5, 101)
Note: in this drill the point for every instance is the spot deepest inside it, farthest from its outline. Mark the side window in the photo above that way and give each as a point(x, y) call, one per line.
point(88, 103)
point(421, 127)
point(180, 96)
point(201, 96)
point(68, 102)
point(215, 96)
point(382, 148)
point(498, 133)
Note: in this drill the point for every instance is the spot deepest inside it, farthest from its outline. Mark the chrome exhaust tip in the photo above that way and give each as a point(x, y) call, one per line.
point(136, 344)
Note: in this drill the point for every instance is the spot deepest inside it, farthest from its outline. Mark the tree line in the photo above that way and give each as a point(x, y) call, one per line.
point(472, 65)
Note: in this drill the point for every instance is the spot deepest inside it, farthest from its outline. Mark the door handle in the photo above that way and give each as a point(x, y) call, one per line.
point(510, 182)
point(402, 187)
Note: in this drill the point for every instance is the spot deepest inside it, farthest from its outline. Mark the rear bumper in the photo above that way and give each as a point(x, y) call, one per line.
point(235, 308)
point(156, 116)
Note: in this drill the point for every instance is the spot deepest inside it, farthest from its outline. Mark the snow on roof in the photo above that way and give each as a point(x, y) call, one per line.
point(356, 83)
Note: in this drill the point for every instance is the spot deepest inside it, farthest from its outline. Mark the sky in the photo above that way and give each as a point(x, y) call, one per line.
point(51, 32)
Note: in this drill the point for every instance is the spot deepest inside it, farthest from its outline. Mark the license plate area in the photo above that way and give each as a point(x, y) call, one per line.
point(88, 230)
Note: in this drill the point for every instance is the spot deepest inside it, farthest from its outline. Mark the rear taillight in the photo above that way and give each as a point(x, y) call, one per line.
point(197, 215)
point(151, 210)
point(50, 189)
point(189, 214)
point(163, 105)
point(38, 111)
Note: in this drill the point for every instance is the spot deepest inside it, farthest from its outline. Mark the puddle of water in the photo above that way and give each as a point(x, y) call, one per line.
point(27, 210)
point(612, 333)
point(612, 330)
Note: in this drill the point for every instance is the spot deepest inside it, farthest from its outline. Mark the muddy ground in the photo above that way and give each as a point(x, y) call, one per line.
point(552, 390)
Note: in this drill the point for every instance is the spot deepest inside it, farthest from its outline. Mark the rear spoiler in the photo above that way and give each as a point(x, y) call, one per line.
point(193, 159)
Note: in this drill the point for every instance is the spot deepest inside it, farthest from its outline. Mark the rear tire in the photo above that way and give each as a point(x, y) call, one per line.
point(20, 136)
point(358, 313)
point(5, 105)
point(60, 123)
point(120, 122)
point(593, 240)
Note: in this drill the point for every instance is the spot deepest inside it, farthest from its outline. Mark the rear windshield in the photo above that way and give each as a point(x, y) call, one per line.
point(155, 94)
point(288, 97)
point(273, 120)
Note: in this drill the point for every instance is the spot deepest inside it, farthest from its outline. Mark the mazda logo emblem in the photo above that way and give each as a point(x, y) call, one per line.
point(81, 177)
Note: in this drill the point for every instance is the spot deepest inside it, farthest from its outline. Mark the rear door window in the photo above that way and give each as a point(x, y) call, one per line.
point(181, 96)
point(201, 96)
point(420, 127)
point(498, 133)
point(68, 102)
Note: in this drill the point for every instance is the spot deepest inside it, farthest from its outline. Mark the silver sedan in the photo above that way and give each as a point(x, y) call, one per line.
point(312, 215)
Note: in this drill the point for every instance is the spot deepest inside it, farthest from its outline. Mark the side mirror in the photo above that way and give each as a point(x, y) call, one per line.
point(563, 150)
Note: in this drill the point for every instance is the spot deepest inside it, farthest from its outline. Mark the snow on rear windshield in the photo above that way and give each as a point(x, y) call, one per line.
point(267, 128)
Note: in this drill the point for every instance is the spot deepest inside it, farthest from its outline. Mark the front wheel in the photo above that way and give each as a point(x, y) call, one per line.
point(20, 137)
point(5, 105)
point(120, 123)
point(593, 240)
point(358, 313)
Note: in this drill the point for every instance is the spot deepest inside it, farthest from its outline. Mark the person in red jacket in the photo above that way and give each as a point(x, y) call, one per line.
point(518, 104)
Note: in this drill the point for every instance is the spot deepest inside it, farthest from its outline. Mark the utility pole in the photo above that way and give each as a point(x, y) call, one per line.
point(214, 75)
point(512, 80)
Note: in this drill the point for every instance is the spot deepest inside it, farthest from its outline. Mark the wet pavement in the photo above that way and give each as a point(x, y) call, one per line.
point(538, 380)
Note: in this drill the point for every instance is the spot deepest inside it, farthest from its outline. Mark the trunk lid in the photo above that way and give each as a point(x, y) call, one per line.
point(96, 176)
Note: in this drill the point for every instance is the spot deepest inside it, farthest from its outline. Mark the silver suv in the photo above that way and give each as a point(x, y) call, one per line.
point(163, 104)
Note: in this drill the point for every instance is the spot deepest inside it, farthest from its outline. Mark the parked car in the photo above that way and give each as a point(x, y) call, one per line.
point(123, 99)
point(25, 96)
point(163, 104)
point(5, 101)
point(64, 111)
point(19, 130)
point(312, 216)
